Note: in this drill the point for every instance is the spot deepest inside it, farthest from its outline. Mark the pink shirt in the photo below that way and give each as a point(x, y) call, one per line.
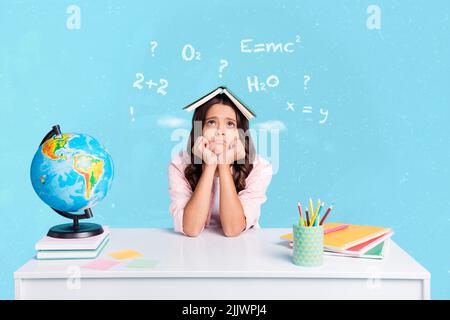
point(252, 197)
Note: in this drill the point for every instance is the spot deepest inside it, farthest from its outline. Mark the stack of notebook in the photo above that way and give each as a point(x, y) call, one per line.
point(354, 240)
point(49, 248)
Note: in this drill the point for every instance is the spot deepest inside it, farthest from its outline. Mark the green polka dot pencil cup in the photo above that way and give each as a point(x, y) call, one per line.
point(308, 246)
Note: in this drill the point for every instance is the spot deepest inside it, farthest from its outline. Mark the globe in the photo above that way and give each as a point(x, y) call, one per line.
point(71, 172)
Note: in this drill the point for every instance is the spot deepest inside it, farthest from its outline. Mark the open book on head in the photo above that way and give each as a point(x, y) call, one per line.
point(246, 111)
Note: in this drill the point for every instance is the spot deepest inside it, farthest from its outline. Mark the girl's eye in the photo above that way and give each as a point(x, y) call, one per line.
point(231, 124)
point(210, 122)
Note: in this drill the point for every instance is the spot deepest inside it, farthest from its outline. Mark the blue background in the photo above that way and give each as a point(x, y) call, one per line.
point(381, 156)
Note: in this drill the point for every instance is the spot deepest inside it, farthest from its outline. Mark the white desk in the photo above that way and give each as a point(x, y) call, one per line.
point(255, 265)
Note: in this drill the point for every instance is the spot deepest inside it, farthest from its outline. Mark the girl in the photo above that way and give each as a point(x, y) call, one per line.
point(218, 181)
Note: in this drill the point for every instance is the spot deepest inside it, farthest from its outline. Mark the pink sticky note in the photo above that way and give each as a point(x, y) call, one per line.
point(100, 264)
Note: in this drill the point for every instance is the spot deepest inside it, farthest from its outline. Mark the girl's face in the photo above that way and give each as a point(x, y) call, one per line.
point(220, 126)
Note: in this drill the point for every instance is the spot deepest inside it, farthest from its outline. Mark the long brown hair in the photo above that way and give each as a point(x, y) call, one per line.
point(242, 168)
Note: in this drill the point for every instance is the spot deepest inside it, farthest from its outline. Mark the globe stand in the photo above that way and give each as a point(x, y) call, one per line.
point(73, 230)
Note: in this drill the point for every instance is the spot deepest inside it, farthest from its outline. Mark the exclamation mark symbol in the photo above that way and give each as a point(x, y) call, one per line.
point(132, 114)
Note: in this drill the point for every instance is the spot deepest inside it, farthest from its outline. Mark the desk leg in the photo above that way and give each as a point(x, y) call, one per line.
point(18, 287)
point(426, 294)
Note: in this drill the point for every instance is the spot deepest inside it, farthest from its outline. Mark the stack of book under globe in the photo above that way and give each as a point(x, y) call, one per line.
point(350, 240)
point(49, 248)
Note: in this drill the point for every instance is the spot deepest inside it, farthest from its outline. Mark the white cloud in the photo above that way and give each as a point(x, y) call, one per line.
point(171, 122)
point(271, 125)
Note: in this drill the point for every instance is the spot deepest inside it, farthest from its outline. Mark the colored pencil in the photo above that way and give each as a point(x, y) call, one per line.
point(316, 213)
point(335, 229)
point(299, 206)
point(326, 214)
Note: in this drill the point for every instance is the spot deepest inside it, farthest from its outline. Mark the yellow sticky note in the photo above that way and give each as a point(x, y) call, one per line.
point(125, 254)
point(288, 236)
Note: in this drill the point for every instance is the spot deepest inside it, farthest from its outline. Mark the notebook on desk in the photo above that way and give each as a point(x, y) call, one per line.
point(49, 248)
point(72, 254)
point(380, 251)
point(352, 236)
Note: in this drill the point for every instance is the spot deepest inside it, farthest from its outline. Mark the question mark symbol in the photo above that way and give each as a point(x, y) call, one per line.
point(153, 44)
point(306, 80)
point(223, 64)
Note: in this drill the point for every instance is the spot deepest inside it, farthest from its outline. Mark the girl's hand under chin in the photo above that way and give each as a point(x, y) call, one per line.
point(202, 150)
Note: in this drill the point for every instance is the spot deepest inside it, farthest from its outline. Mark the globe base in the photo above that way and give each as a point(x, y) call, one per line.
point(70, 231)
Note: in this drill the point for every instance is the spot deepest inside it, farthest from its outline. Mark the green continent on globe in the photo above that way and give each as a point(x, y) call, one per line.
point(50, 147)
point(90, 168)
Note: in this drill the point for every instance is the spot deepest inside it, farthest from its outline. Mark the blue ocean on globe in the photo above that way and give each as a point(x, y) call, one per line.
point(71, 172)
